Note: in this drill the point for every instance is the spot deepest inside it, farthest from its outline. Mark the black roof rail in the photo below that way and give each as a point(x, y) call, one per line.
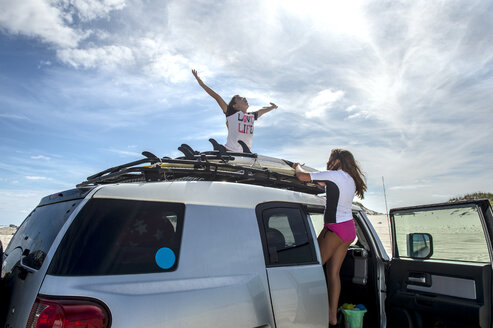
point(207, 166)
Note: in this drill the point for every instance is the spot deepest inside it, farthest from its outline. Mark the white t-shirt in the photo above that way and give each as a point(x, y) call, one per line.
point(339, 189)
point(240, 127)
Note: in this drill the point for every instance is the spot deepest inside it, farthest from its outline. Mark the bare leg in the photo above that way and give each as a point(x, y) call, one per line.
point(328, 242)
point(334, 280)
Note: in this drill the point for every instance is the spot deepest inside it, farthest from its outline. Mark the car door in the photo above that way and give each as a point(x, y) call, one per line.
point(296, 279)
point(24, 265)
point(441, 270)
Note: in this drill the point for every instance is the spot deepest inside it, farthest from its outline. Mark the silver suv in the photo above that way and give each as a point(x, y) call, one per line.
point(220, 239)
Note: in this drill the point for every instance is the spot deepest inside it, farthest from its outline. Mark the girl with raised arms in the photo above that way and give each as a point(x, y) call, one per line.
point(239, 122)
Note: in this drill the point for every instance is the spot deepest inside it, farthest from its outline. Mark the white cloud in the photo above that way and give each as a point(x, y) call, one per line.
point(38, 18)
point(323, 101)
point(91, 9)
point(32, 177)
point(42, 157)
point(173, 68)
point(104, 58)
point(126, 153)
point(53, 20)
point(410, 187)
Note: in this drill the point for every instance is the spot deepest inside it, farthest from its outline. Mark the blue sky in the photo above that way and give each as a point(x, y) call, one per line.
point(405, 85)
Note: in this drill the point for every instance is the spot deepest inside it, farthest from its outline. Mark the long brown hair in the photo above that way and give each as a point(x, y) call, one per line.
point(232, 102)
point(348, 164)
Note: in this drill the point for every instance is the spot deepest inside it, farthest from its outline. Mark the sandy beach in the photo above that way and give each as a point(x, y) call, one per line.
point(381, 225)
point(6, 234)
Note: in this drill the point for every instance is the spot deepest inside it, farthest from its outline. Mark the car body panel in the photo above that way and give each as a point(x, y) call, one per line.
point(206, 193)
point(299, 296)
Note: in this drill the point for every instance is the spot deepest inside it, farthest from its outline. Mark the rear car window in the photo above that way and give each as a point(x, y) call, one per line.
point(38, 231)
point(113, 236)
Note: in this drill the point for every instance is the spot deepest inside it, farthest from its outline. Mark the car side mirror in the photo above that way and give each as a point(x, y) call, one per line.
point(419, 245)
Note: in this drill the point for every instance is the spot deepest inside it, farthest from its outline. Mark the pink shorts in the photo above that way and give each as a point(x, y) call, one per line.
point(345, 230)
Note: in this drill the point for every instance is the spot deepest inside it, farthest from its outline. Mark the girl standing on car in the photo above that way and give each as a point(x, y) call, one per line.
point(343, 179)
point(238, 120)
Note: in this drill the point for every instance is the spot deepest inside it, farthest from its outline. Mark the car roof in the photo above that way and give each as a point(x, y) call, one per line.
point(215, 193)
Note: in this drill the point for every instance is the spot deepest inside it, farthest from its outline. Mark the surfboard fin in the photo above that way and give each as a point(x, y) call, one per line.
point(244, 146)
point(187, 151)
point(220, 148)
point(288, 162)
point(190, 149)
point(150, 155)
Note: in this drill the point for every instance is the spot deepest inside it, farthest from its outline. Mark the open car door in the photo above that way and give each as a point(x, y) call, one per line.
point(441, 270)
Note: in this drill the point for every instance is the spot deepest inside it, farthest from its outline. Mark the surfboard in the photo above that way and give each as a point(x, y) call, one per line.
point(260, 162)
point(219, 164)
point(234, 159)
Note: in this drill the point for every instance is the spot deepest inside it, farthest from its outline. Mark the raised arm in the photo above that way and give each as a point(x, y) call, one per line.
point(211, 92)
point(300, 173)
point(266, 109)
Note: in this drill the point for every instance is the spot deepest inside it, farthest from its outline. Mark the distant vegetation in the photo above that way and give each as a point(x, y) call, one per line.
point(476, 195)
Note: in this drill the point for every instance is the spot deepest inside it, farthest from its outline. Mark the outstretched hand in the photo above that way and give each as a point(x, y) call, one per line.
point(266, 109)
point(271, 107)
point(194, 72)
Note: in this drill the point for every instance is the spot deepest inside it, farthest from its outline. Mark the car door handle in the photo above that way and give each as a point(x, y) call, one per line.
point(360, 253)
point(421, 280)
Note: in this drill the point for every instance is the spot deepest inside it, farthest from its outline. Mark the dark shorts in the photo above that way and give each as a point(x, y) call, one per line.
point(345, 230)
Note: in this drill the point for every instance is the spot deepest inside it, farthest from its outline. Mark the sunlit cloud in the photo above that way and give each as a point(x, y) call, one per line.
point(105, 58)
point(30, 177)
point(125, 153)
point(42, 157)
point(38, 19)
point(323, 101)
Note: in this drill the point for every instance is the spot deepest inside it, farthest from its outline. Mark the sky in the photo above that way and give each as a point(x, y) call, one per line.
point(406, 86)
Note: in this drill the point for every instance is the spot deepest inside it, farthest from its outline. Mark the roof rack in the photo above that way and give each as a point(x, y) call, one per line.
point(216, 165)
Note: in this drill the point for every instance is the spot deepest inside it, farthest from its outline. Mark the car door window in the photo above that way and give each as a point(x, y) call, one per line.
point(456, 233)
point(286, 235)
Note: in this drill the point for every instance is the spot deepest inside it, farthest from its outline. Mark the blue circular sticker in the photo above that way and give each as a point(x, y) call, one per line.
point(165, 258)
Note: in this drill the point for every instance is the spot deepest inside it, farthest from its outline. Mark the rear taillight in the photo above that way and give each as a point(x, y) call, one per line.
point(67, 313)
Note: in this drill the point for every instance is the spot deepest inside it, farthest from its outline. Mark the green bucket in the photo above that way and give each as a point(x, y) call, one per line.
point(353, 318)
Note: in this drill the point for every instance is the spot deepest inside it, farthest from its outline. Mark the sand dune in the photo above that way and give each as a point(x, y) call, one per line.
point(6, 234)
